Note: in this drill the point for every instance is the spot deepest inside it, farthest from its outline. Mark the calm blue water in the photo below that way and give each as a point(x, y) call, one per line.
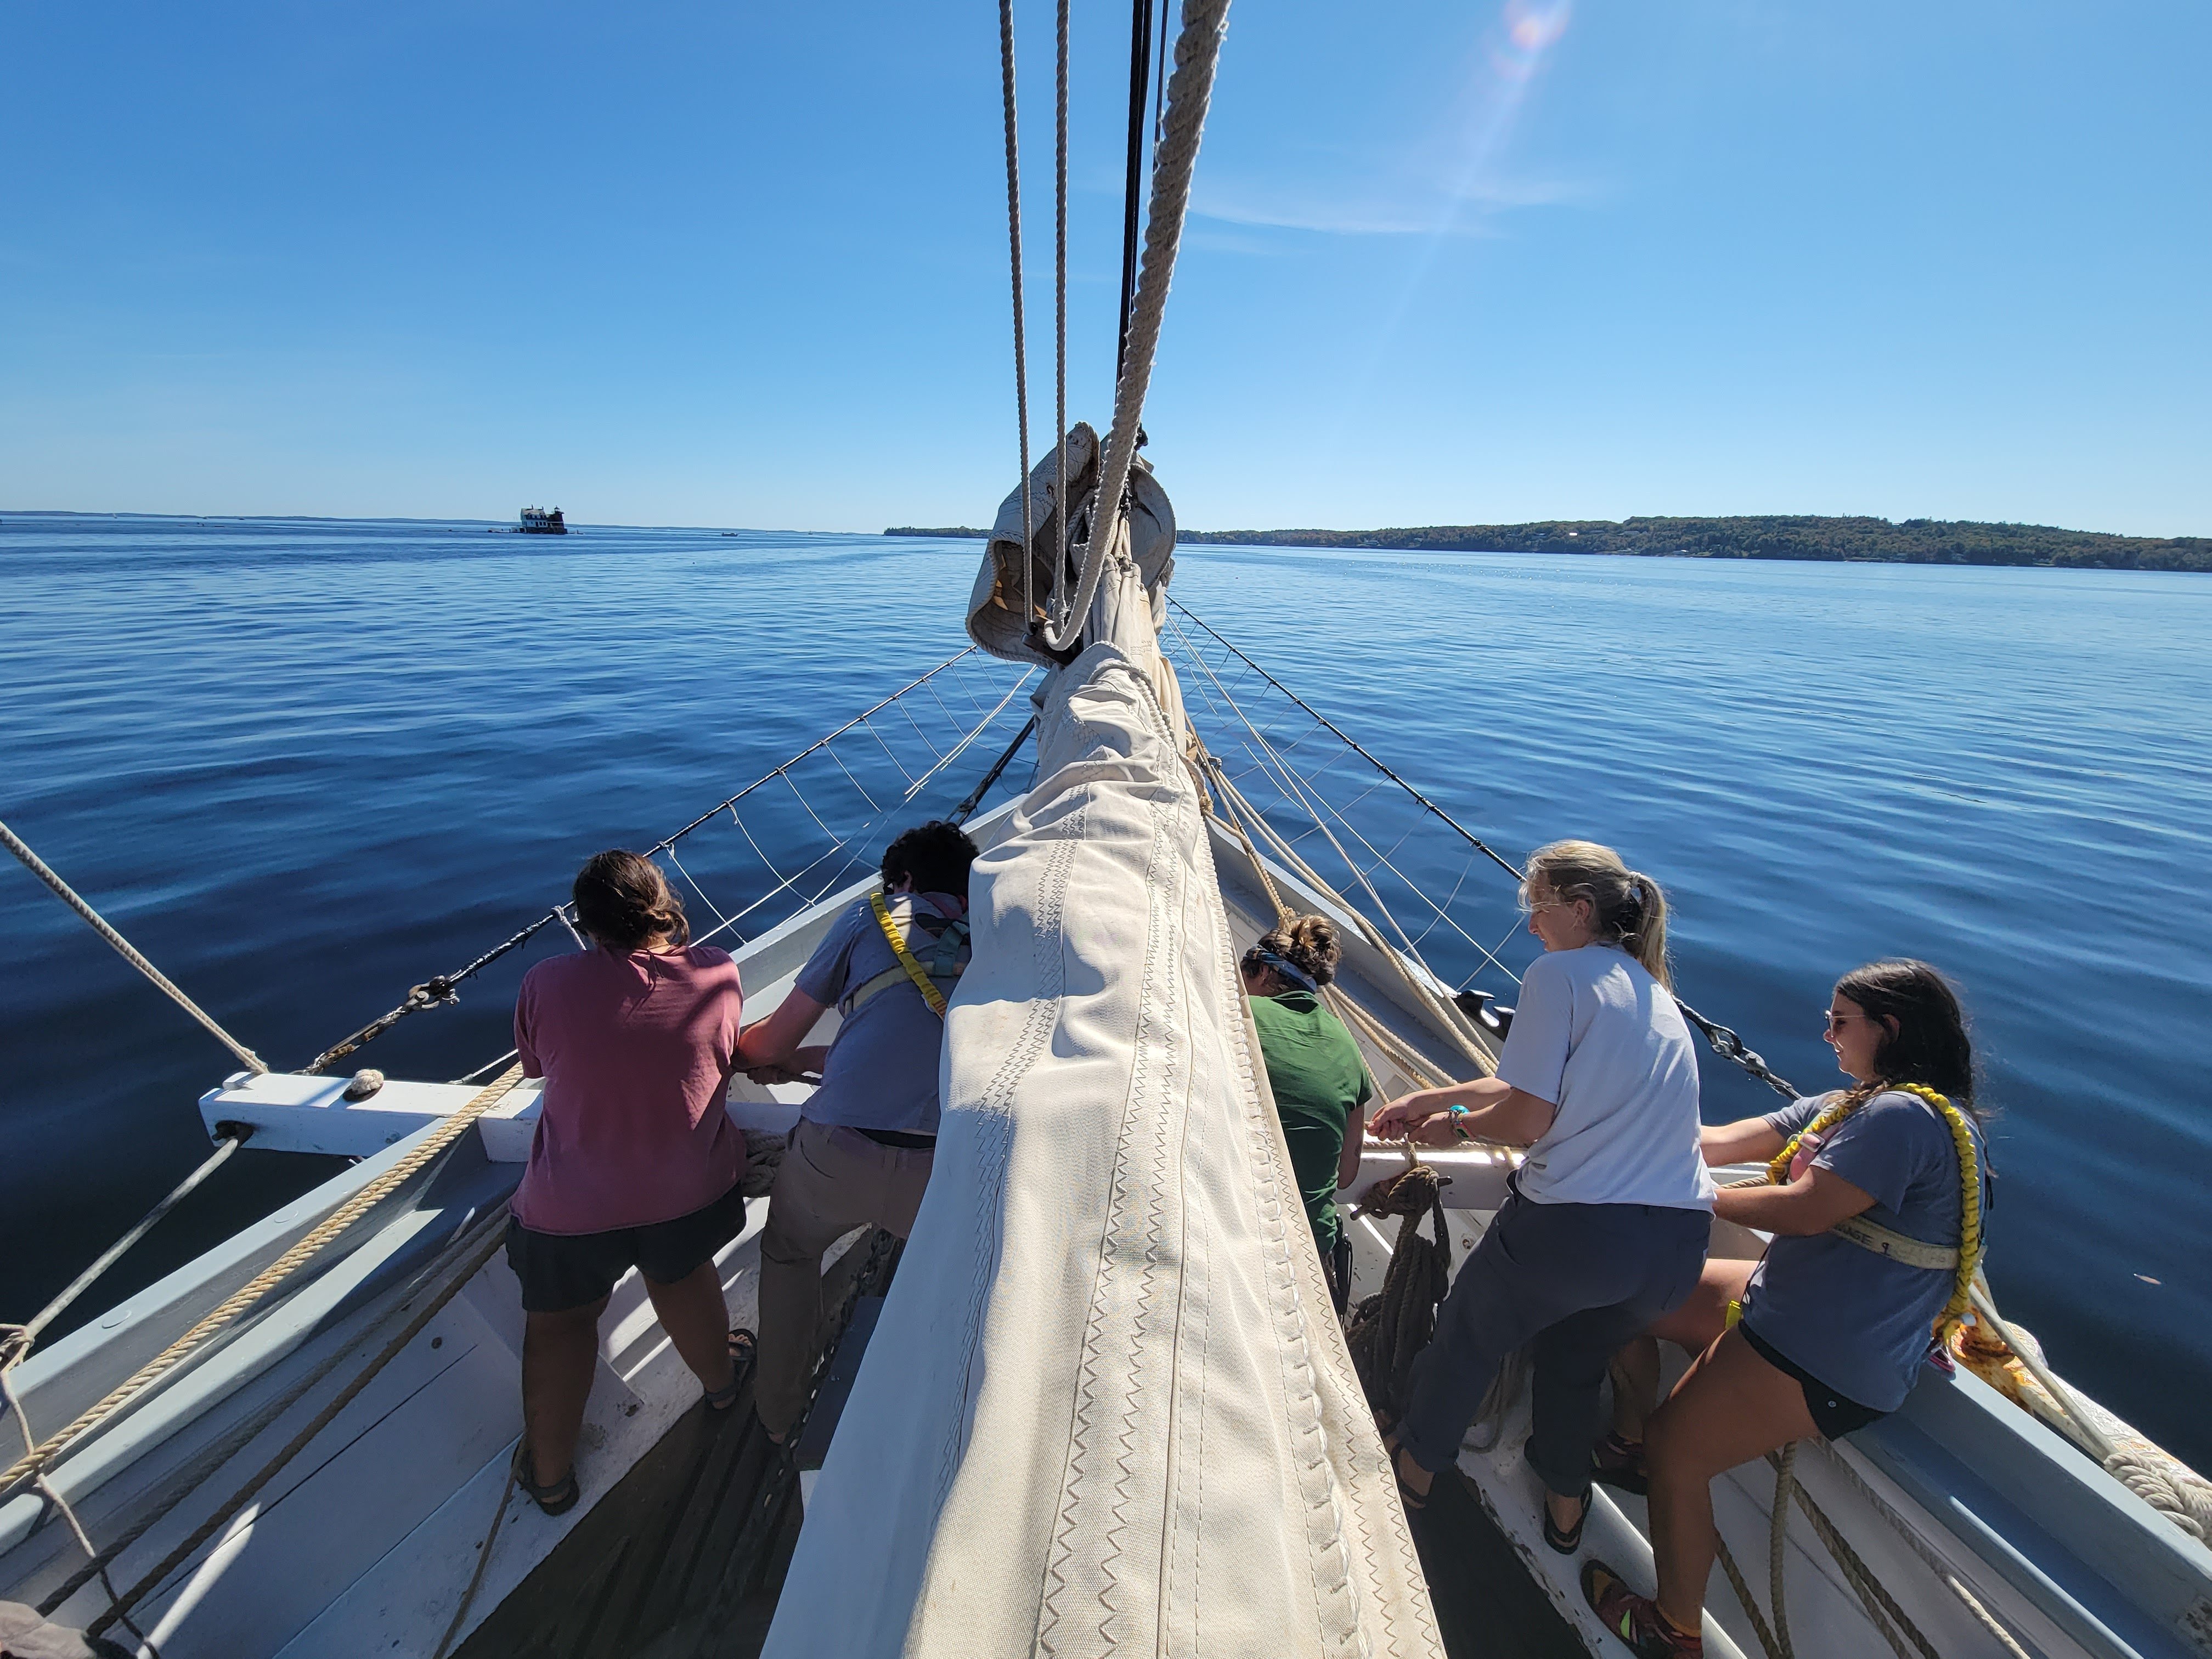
point(305, 765)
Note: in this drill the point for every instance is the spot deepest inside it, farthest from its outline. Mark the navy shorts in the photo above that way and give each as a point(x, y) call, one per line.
point(561, 1271)
point(1834, 1414)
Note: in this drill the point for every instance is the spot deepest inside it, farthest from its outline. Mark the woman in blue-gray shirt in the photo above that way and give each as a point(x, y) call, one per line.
point(1874, 1197)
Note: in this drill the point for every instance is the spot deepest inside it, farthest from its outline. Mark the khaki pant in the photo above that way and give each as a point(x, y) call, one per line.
point(832, 1180)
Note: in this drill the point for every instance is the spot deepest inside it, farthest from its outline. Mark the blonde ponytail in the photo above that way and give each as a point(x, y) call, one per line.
point(1628, 909)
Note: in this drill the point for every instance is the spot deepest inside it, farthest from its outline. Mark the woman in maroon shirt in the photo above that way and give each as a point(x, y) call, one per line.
point(635, 1162)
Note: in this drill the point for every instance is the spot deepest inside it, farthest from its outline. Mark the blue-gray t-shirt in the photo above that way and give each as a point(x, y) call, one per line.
point(882, 1069)
point(1860, 1321)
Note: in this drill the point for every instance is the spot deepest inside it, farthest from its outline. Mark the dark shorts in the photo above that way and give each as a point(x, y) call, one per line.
point(1834, 1414)
point(560, 1271)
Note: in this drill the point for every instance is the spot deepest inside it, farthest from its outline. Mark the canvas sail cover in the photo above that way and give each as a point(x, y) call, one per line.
point(1108, 1408)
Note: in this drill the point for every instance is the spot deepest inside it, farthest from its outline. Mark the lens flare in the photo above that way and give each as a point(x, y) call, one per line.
point(1528, 31)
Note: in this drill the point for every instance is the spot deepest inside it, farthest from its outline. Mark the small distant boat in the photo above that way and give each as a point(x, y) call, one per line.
point(540, 521)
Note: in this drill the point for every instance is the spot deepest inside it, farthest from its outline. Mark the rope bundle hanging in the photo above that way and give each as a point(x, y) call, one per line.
point(1389, 1328)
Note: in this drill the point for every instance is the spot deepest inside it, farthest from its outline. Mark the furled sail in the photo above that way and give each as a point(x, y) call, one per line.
point(1108, 1408)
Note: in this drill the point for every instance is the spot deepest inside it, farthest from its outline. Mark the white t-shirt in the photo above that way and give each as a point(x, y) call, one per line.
point(1599, 1036)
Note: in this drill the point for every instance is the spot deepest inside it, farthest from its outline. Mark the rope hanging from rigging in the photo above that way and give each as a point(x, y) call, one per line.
point(1189, 91)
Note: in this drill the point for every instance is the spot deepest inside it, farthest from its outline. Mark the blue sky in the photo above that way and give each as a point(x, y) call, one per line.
point(745, 266)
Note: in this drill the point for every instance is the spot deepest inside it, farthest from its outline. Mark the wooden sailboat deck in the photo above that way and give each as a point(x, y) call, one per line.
point(685, 1557)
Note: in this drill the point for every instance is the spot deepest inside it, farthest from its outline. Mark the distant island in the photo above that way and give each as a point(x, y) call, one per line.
point(1914, 541)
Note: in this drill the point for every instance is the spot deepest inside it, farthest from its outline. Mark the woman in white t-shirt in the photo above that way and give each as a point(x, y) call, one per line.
point(1605, 1225)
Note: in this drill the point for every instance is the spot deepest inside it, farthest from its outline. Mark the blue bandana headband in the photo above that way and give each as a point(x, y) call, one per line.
point(1287, 969)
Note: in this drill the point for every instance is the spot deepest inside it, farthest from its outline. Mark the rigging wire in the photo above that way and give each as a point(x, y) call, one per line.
point(17, 1341)
point(1473, 840)
point(1014, 242)
point(1059, 491)
point(1723, 1042)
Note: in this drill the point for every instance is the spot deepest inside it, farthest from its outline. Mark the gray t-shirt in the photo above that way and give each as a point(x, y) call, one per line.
point(1860, 1322)
point(882, 1069)
point(1602, 1041)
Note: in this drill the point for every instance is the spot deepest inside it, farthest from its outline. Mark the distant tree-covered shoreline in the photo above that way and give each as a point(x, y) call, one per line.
point(1914, 541)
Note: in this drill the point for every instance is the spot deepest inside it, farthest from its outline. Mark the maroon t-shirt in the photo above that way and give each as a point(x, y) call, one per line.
point(636, 1050)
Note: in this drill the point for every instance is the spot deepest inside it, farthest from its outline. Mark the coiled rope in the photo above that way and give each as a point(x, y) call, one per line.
point(1190, 89)
point(26, 1468)
point(92, 918)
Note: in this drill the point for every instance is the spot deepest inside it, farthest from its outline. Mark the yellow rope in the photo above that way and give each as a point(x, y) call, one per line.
point(1970, 1188)
point(436, 1142)
point(914, 970)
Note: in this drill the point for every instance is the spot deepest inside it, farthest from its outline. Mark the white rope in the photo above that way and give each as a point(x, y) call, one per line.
point(2166, 1485)
point(1197, 52)
point(61, 891)
point(1455, 1020)
point(1935, 1563)
point(1467, 1045)
point(47, 1490)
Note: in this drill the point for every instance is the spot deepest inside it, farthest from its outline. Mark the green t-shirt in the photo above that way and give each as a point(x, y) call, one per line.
point(1314, 1069)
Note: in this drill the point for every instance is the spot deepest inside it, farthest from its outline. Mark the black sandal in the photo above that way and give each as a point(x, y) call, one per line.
point(556, 1499)
point(743, 1344)
point(1413, 1500)
point(1567, 1543)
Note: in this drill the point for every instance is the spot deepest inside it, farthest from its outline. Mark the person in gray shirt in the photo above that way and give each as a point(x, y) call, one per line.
point(1874, 1196)
point(862, 1153)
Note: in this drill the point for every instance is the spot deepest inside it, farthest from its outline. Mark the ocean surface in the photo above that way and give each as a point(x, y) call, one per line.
point(305, 765)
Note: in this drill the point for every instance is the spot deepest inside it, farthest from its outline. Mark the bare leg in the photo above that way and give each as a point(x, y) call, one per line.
point(1635, 1385)
point(558, 1352)
point(1693, 1327)
point(1729, 1407)
point(697, 1321)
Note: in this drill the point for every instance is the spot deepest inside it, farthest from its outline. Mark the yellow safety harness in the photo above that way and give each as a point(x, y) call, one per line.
point(1881, 1240)
point(907, 959)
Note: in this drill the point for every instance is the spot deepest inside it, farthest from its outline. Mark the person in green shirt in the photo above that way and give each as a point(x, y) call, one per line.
point(1320, 1082)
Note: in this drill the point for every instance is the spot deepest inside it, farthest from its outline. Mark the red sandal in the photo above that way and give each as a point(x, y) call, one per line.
point(1635, 1618)
point(1619, 1463)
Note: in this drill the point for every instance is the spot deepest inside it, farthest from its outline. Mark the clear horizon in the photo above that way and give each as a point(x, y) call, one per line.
point(1493, 266)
